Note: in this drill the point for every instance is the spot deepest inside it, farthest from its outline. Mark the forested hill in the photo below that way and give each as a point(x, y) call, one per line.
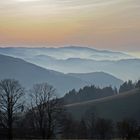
point(126, 105)
point(92, 92)
point(88, 93)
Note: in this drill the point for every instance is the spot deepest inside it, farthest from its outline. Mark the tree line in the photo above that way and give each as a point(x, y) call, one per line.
point(92, 92)
point(129, 85)
point(42, 115)
point(88, 93)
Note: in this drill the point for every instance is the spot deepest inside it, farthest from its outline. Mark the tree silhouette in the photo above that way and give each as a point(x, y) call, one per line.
point(11, 103)
point(137, 84)
point(126, 86)
point(44, 107)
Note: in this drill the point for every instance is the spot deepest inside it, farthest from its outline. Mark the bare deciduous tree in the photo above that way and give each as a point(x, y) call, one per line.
point(10, 103)
point(44, 107)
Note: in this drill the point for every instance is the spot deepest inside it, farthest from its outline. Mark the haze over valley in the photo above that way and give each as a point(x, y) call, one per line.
point(75, 59)
point(70, 69)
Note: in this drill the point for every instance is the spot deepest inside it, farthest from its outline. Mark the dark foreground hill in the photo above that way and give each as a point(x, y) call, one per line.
point(117, 107)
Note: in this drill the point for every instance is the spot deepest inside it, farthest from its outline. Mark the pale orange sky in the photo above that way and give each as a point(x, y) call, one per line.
point(103, 24)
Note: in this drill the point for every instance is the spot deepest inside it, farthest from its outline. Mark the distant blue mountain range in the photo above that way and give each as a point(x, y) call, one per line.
point(76, 59)
point(29, 74)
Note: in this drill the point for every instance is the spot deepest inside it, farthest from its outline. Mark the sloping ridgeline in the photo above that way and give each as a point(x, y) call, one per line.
point(117, 107)
point(29, 74)
point(88, 93)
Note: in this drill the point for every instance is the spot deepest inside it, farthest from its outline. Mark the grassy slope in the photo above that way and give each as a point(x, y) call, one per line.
point(125, 105)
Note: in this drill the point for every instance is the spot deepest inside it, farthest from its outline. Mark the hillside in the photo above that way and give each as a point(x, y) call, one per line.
point(98, 79)
point(65, 52)
point(76, 59)
point(117, 107)
point(123, 69)
point(29, 74)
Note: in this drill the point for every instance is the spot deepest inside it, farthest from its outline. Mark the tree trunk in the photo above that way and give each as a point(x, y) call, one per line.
point(43, 133)
point(10, 123)
point(10, 132)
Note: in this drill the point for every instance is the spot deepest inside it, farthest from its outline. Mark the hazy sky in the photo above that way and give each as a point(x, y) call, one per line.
point(104, 24)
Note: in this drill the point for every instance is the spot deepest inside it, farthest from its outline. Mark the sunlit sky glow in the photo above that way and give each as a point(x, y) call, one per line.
point(103, 24)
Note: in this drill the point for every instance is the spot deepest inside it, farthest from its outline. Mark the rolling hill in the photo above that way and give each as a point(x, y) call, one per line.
point(98, 79)
point(123, 69)
point(75, 59)
point(117, 107)
point(64, 52)
point(29, 74)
